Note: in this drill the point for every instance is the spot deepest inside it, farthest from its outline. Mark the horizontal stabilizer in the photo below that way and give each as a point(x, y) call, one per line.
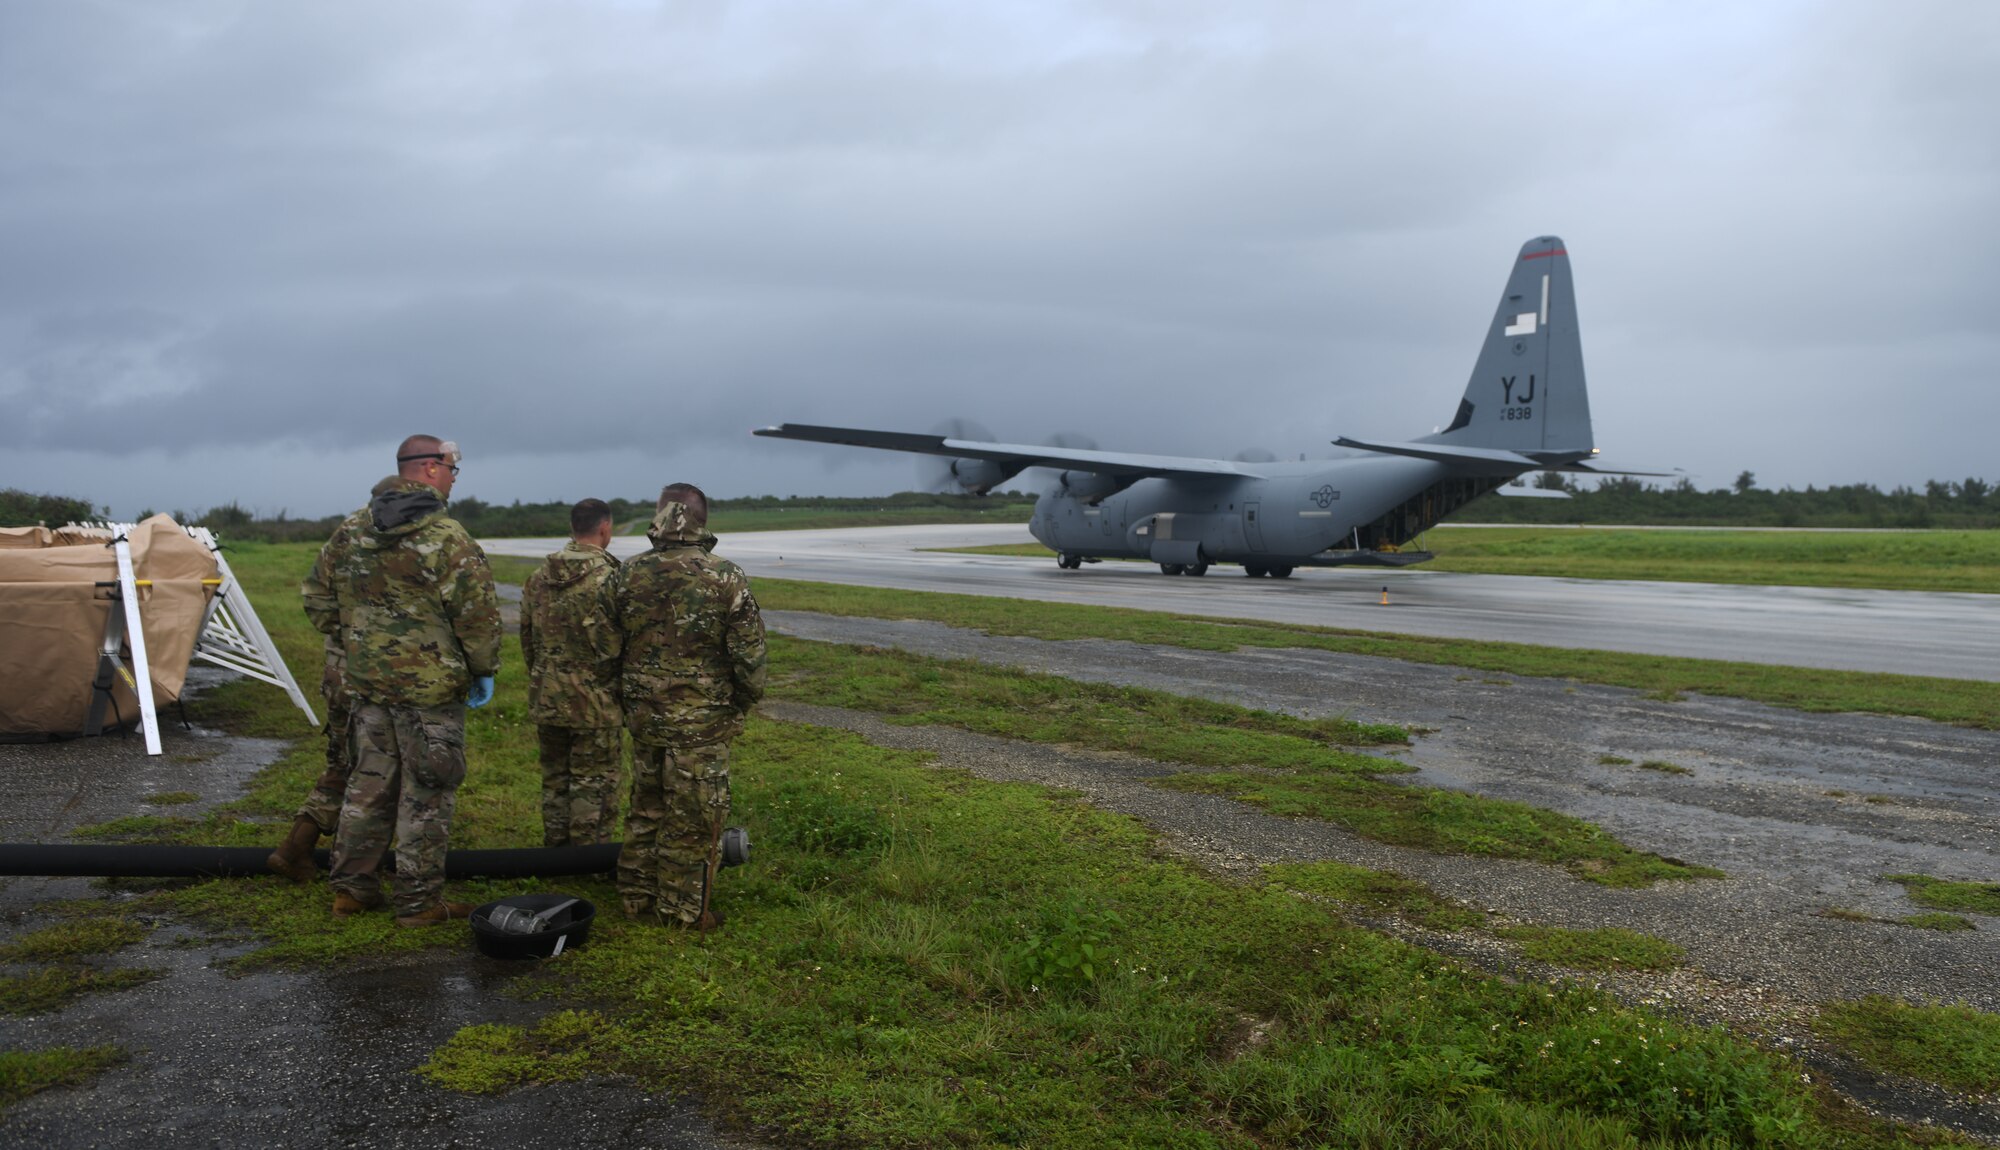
point(1495, 460)
point(1595, 469)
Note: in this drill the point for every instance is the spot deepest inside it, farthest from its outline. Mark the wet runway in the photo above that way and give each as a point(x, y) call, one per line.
point(1951, 635)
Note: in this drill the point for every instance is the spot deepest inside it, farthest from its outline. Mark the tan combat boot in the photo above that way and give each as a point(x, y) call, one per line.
point(294, 856)
point(347, 906)
point(433, 915)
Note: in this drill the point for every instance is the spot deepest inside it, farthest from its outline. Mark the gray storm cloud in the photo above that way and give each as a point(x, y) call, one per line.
point(601, 235)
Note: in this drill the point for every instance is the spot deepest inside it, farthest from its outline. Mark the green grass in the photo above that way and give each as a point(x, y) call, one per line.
point(1664, 767)
point(977, 696)
point(75, 939)
point(25, 1072)
point(172, 799)
point(876, 988)
point(54, 987)
point(1613, 761)
point(1606, 948)
point(881, 977)
point(1962, 701)
point(1376, 891)
point(1447, 822)
point(491, 1058)
point(1885, 560)
point(1930, 921)
point(1953, 1046)
point(1940, 894)
point(1305, 774)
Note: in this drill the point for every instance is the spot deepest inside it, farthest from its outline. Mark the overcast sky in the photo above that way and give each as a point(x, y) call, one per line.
point(246, 246)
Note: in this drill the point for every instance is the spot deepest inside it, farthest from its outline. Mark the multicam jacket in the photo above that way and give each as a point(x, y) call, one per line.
point(323, 608)
point(571, 640)
point(694, 640)
point(411, 599)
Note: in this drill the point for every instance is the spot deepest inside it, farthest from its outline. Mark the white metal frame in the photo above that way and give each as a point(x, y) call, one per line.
point(232, 637)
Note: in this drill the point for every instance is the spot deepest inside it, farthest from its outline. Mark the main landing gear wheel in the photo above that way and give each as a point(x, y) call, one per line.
point(1196, 569)
point(1170, 568)
point(1069, 562)
point(1281, 572)
point(1254, 571)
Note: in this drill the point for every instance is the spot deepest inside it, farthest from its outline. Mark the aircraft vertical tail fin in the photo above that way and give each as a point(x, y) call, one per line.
point(1527, 392)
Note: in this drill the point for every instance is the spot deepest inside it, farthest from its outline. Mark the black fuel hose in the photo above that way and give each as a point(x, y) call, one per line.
point(110, 860)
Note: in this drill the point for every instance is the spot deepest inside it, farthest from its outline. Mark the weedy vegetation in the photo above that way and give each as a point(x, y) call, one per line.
point(76, 938)
point(1943, 894)
point(1954, 1046)
point(1373, 890)
point(54, 987)
point(1447, 822)
point(1664, 767)
point(25, 1072)
point(1605, 948)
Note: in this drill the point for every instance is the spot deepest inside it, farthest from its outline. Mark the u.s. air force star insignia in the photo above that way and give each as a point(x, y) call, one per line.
point(1325, 495)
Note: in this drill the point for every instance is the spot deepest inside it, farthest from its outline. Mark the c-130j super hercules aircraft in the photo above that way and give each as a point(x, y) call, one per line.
point(1525, 410)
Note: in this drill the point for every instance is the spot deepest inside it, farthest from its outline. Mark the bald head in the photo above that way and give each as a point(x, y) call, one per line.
point(424, 459)
point(415, 445)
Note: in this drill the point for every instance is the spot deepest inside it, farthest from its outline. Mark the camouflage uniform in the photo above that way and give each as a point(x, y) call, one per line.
point(418, 621)
point(571, 641)
point(694, 665)
point(322, 806)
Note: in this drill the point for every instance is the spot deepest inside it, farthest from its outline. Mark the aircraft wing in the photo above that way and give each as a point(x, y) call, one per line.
point(1496, 459)
point(1015, 455)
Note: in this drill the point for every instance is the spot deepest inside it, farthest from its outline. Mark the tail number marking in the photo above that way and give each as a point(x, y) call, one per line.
point(1516, 407)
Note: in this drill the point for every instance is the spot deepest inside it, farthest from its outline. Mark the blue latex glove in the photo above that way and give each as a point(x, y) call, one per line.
point(482, 692)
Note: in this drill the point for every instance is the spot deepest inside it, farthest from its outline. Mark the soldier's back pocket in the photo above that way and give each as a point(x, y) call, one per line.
point(441, 766)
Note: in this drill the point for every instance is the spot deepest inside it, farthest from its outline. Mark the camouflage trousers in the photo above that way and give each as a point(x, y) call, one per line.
point(408, 762)
point(580, 771)
point(322, 806)
point(680, 801)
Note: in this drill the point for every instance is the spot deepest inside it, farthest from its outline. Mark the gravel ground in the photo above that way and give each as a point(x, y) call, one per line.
point(1756, 804)
point(277, 1057)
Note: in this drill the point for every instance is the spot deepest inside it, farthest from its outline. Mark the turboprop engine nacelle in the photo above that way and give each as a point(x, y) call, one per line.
point(1090, 486)
point(979, 476)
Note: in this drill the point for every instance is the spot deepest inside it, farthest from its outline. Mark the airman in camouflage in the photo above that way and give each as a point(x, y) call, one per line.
point(694, 666)
point(320, 814)
point(419, 625)
point(571, 641)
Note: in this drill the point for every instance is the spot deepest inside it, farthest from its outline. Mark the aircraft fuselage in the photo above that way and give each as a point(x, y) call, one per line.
point(1295, 514)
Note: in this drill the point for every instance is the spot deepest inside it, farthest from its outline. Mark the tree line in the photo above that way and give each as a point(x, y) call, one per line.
point(1966, 503)
point(494, 520)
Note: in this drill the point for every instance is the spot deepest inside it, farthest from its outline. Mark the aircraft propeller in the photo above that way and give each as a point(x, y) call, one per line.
point(962, 476)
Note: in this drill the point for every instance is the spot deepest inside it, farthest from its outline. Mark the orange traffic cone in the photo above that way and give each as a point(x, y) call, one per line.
point(1385, 596)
